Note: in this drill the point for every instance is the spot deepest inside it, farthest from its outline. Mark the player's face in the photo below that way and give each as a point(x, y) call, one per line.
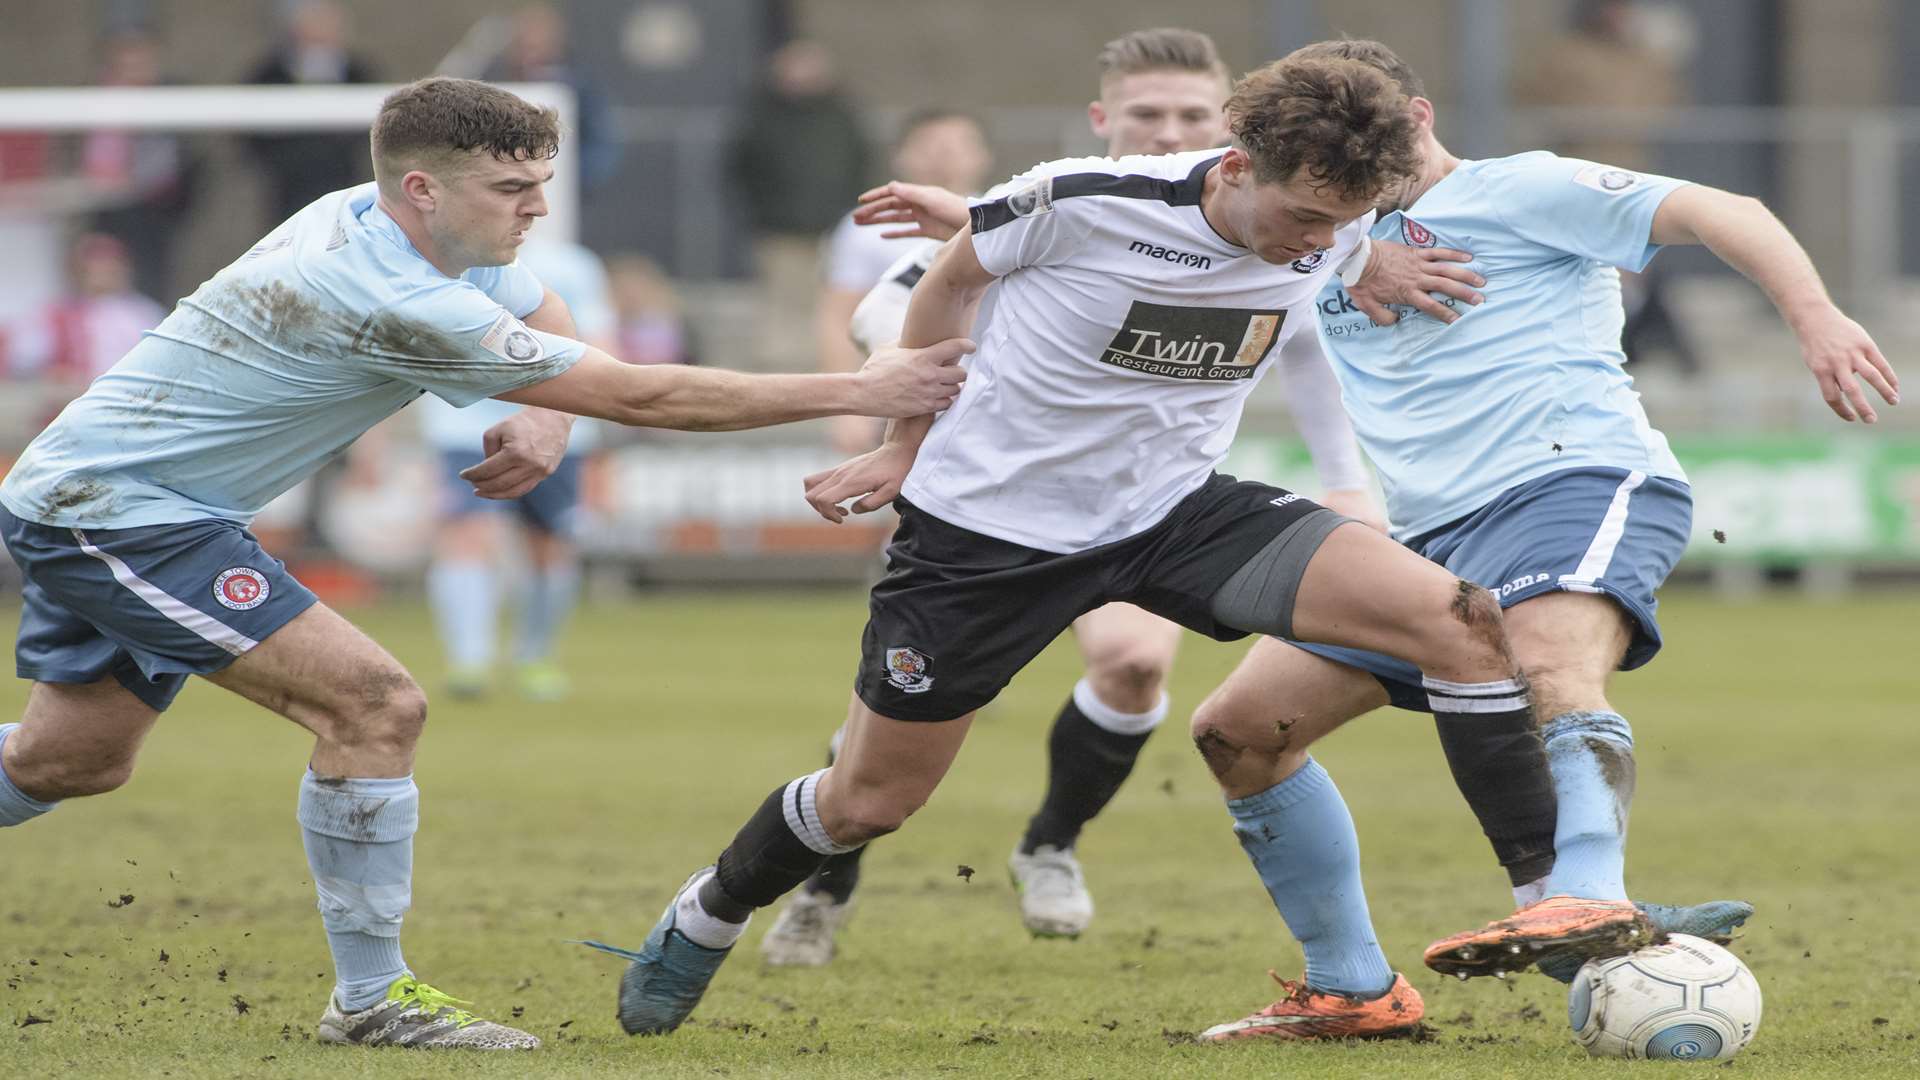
point(485, 212)
point(1160, 112)
point(1281, 222)
point(951, 153)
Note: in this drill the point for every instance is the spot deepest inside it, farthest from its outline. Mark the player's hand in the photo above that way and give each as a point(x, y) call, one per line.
point(1840, 354)
point(872, 480)
point(899, 382)
point(920, 210)
point(521, 450)
point(1356, 504)
point(1398, 274)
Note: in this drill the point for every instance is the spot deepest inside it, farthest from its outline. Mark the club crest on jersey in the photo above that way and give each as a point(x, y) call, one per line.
point(1415, 234)
point(1309, 263)
point(907, 670)
point(1035, 198)
point(1607, 179)
point(509, 339)
point(1210, 344)
point(241, 588)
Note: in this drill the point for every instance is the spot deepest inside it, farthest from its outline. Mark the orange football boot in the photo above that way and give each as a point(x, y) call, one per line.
point(1557, 925)
point(1314, 1014)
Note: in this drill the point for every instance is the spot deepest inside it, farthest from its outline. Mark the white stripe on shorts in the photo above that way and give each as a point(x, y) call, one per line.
point(206, 626)
point(1593, 565)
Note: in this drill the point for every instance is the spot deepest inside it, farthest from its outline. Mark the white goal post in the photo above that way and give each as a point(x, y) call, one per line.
point(268, 109)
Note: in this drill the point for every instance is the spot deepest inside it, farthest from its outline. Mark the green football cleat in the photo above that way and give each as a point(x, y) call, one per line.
point(416, 1015)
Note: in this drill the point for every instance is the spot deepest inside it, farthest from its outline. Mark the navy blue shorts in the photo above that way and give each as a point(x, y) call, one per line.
point(552, 506)
point(1613, 532)
point(148, 606)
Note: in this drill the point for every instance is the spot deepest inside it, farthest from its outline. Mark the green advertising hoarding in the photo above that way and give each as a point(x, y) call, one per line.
point(1784, 499)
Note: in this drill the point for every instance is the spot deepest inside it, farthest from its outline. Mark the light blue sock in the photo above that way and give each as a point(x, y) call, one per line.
point(466, 605)
point(16, 806)
point(551, 595)
point(359, 840)
point(1591, 754)
point(1301, 840)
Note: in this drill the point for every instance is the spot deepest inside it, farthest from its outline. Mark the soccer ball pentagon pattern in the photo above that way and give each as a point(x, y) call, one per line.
point(1684, 1000)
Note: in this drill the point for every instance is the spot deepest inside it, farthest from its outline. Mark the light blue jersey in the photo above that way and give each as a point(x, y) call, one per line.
point(1530, 381)
point(577, 275)
point(326, 327)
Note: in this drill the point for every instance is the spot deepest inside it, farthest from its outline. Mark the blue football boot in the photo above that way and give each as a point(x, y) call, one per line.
point(667, 975)
point(1715, 920)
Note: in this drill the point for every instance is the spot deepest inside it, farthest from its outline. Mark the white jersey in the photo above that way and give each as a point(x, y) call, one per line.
point(1124, 339)
point(854, 256)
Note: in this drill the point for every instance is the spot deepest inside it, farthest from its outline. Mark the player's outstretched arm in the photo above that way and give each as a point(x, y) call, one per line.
point(944, 303)
point(1748, 237)
point(1313, 399)
point(917, 210)
point(895, 382)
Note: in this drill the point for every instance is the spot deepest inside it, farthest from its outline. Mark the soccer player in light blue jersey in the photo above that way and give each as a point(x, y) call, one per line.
point(1514, 451)
point(128, 516)
point(465, 585)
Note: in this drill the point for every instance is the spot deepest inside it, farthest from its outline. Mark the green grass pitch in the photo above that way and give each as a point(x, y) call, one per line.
point(169, 930)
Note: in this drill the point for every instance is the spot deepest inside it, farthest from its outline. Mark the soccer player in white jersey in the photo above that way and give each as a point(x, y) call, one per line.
point(941, 148)
point(1077, 469)
point(465, 585)
point(1515, 453)
point(127, 517)
point(1161, 91)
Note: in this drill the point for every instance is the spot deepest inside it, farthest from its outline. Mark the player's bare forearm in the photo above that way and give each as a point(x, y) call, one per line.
point(944, 302)
point(1744, 234)
point(1747, 236)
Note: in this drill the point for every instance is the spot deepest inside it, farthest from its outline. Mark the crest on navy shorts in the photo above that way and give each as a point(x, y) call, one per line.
point(1307, 264)
point(241, 588)
point(1414, 233)
point(1209, 344)
point(907, 670)
point(1035, 198)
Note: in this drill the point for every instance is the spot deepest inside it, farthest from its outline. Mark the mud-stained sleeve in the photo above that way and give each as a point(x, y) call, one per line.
point(456, 342)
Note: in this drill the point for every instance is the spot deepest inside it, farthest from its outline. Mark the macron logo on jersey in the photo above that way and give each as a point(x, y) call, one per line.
point(1211, 344)
point(1167, 254)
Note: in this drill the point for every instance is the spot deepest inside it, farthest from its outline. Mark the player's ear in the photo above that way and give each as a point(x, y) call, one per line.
point(1236, 167)
point(1097, 119)
point(419, 189)
point(1422, 111)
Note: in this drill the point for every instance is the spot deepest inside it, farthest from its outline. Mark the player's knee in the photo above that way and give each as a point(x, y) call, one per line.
point(1129, 675)
point(1471, 630)
point(388, 711)
point(1218, 735)
point(53, 780)
point(868, 815)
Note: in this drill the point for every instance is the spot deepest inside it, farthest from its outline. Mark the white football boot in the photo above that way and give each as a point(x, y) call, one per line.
point(1054, 901)
point(803, 934)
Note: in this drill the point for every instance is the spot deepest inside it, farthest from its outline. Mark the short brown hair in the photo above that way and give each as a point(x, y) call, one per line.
point(1341, 121)
point(1165, 48)
point(436, 121)
point(1372, 53)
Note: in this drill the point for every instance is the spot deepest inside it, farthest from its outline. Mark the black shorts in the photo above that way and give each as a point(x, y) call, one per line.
point(958, 614)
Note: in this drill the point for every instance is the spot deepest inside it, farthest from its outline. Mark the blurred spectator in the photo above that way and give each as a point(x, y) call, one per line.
point(302, 167)
point(1608, 59)
point(146, 178)
point(940, 147)
point(537, 52)
point(799, 160)
point(651, 328)
point(73, 339)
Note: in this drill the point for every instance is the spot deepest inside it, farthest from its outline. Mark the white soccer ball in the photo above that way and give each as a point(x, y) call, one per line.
point(1688, 999)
